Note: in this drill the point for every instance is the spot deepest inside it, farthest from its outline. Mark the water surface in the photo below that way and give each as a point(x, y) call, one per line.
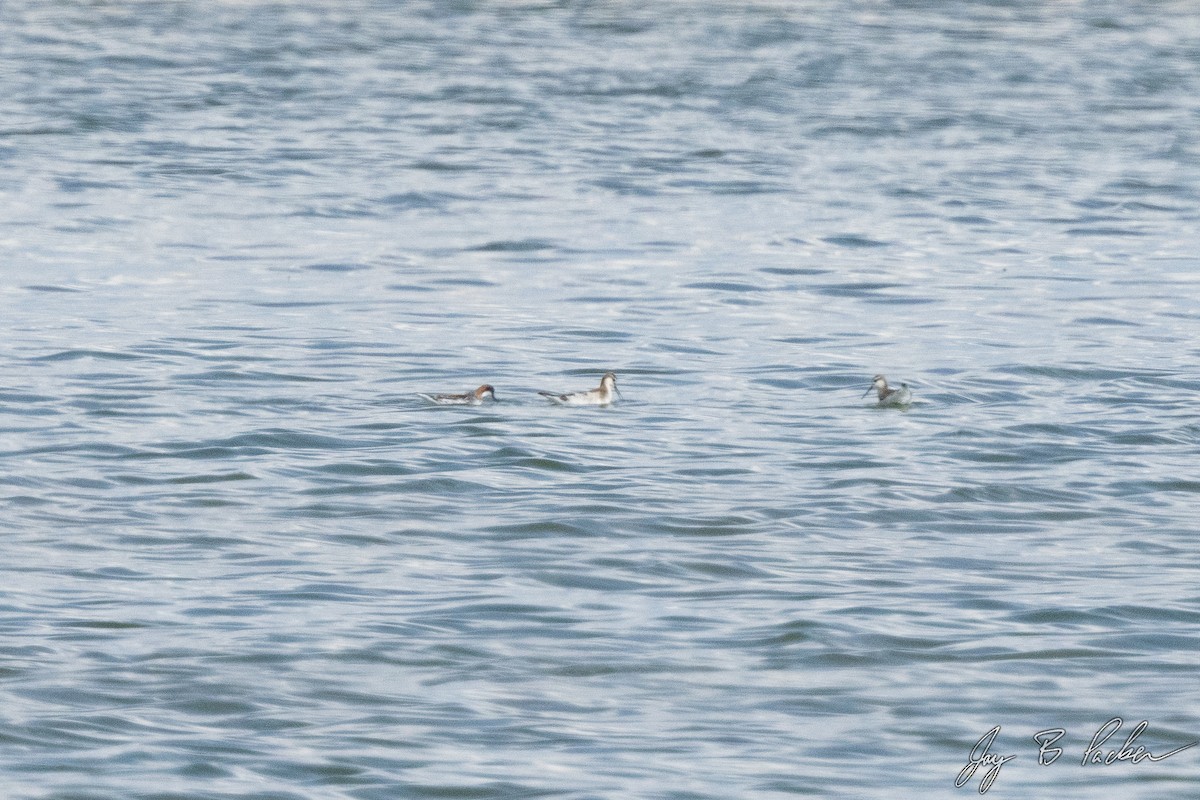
point(242, 559)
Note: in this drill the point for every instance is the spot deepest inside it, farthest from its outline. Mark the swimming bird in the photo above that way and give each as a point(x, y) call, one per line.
point(593, 397)
point(887, 395)
point(485, 392)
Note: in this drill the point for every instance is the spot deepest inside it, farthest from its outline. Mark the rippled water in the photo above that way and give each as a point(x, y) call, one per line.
point(242, 559)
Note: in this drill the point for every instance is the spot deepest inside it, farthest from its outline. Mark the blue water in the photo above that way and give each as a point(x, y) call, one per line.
point(241, 558)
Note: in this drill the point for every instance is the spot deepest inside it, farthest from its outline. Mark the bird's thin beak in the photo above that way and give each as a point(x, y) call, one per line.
point(868, 391)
